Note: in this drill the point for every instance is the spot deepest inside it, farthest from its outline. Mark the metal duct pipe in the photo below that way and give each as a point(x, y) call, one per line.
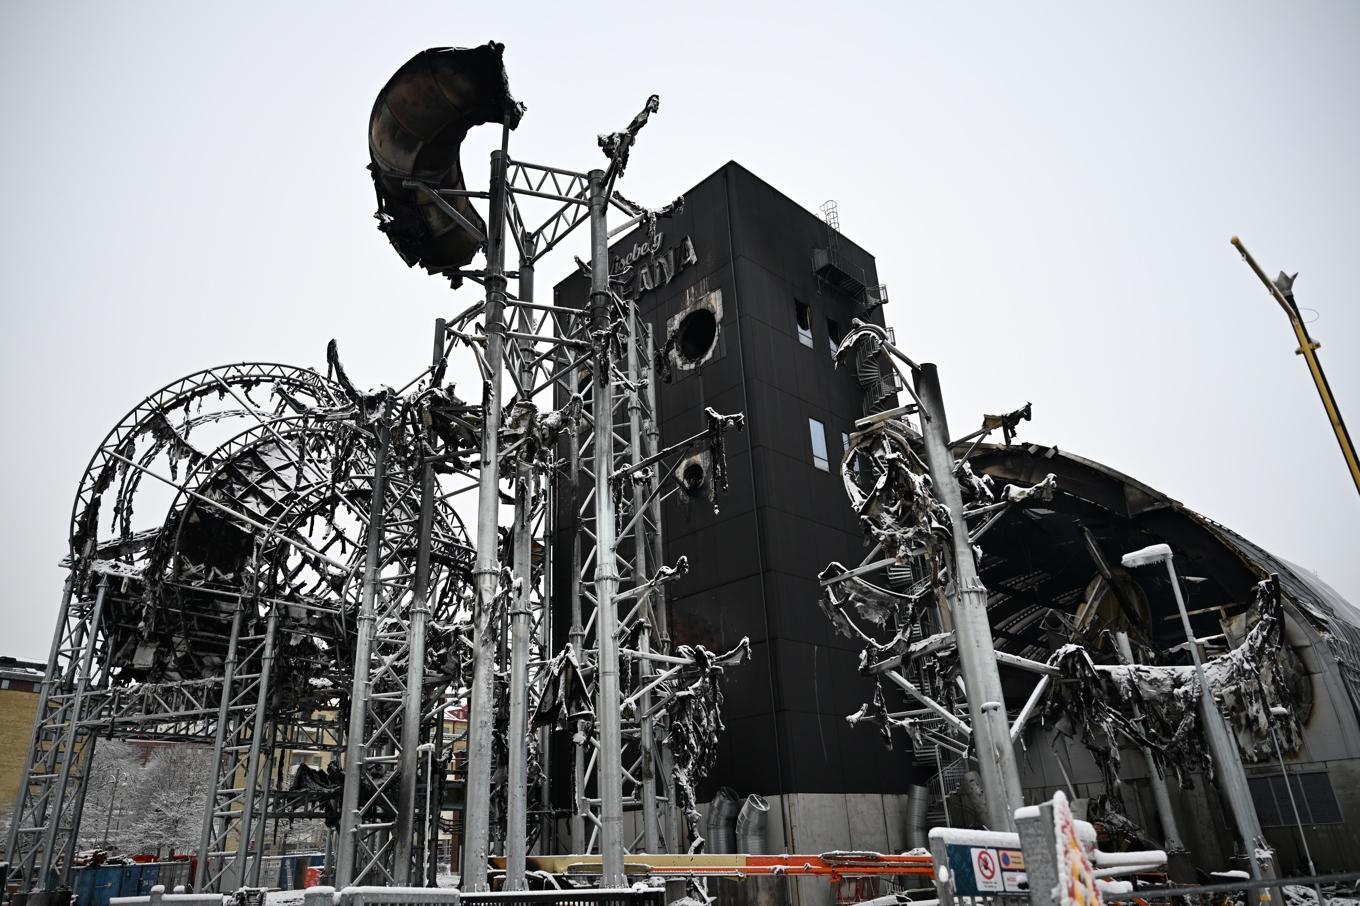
point(918, 802)
point(722, 816)
point(416, 129)
point(752, 825)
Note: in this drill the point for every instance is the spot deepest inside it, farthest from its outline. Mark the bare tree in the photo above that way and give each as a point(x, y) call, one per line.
point(167, 801)
point(108, 793)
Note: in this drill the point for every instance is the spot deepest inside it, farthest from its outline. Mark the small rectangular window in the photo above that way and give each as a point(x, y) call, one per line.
point(803, 315)
point(818, 432)
point(834, 335)
point(1313, 797)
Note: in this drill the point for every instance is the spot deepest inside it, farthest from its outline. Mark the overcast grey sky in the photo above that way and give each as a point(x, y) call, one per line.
point(1049, 190)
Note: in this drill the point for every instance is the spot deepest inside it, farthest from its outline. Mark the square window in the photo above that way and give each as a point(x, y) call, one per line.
point(834, 335)
point(803, 317)
point(818, 432)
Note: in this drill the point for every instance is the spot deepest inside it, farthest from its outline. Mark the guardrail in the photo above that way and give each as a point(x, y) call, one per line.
point(159, 897)
point(435, 896)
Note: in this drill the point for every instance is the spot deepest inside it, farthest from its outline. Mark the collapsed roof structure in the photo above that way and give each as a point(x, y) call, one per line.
point(269, 559)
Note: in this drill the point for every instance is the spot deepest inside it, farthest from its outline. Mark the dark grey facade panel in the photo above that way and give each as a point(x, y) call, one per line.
point(755, 561)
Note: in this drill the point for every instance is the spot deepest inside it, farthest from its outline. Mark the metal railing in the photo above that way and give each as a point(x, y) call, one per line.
point(159, 897)
point(435, 896)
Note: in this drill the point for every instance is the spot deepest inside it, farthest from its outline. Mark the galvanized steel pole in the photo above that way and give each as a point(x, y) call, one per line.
point(652, 443)
point(219, 738)
point(1232, 779)
point(517, 734)
point(972, 630)
point(363, 647)
point(49, 683)
point(409, 768)
point(72, 732)
point(651, 831)
point(481, 706)
point(609, 769)
point(577, 631)
point(257, 751)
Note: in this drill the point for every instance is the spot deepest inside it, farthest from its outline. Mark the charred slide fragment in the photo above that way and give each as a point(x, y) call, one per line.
point(415, 132)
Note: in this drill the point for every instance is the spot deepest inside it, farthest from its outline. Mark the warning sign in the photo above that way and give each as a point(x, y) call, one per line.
point(987, 869)
point(1012, 862)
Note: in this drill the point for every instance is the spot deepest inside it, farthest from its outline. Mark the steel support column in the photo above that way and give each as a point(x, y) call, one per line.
point(360, 688)
point(1232, 779)
point(517, 734)
point(609, 774)
point(223, 715)
point(651, 832)
point(481, 707)
point(972, 630)
point(409, 768)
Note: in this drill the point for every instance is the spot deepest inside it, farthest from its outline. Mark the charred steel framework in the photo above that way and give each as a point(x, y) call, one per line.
point(311, 588)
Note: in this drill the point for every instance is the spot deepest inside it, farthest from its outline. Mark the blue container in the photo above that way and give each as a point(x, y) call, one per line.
point(151, 876)
point(130, 879)
point(94, 886)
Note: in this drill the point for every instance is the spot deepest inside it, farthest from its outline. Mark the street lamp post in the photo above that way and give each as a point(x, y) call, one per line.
point(1232, 779)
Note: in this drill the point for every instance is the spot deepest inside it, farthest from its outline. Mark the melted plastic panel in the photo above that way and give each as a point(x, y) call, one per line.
point(417, 127)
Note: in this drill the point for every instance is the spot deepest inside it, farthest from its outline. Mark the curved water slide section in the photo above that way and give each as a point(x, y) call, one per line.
point(418, 124)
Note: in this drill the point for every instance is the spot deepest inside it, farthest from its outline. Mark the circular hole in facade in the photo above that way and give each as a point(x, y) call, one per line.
point(696, 335)
point(693, 478)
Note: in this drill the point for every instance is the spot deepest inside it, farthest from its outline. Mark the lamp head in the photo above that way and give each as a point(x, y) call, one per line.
point(1155, 553)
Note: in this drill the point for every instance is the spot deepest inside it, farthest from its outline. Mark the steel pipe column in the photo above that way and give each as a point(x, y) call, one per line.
point(972, 630)
point(609, 773)
point(482, 705)
point(360, 689)
point(415, 665)
point(517, 734)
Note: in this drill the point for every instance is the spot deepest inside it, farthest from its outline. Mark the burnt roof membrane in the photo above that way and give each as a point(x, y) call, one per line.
point(1039, 567)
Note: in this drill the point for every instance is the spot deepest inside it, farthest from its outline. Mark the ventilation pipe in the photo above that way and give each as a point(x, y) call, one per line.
point(752, 830)
point(722, 815)
point(415, 132)
point(918, 801)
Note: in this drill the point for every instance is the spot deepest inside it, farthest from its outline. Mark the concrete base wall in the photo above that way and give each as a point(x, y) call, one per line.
point(814, 823)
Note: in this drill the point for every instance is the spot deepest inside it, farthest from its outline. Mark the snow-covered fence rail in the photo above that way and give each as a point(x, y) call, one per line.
point(159, 897)
point(389, 896)
point(434, 896)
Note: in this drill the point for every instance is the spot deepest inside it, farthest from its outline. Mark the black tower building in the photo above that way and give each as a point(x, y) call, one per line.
point(749, 293)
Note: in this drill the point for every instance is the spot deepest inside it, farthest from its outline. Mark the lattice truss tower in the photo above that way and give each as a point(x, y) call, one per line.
point(270, 561)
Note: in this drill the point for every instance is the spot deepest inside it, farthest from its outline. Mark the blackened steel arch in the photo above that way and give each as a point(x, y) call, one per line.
point(150, 416)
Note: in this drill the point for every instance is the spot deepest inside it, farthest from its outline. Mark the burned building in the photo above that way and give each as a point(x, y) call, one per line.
point(753, 297)
point(749, 295)
point(1054, 576)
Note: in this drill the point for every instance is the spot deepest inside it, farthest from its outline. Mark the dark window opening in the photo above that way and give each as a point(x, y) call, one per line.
point(696, 335)
point(804, 319)
point(834, 335)
point(1312, 795)
point(692, 478)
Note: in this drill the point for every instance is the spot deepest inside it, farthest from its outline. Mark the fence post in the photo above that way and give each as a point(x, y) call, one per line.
point(318, 896)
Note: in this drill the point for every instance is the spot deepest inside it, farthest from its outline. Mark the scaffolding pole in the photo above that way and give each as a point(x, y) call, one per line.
point(517, 734)
point(609, 773)
point(972, 630)
point(409, 769)
point(482, 706)
point(360, 689)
